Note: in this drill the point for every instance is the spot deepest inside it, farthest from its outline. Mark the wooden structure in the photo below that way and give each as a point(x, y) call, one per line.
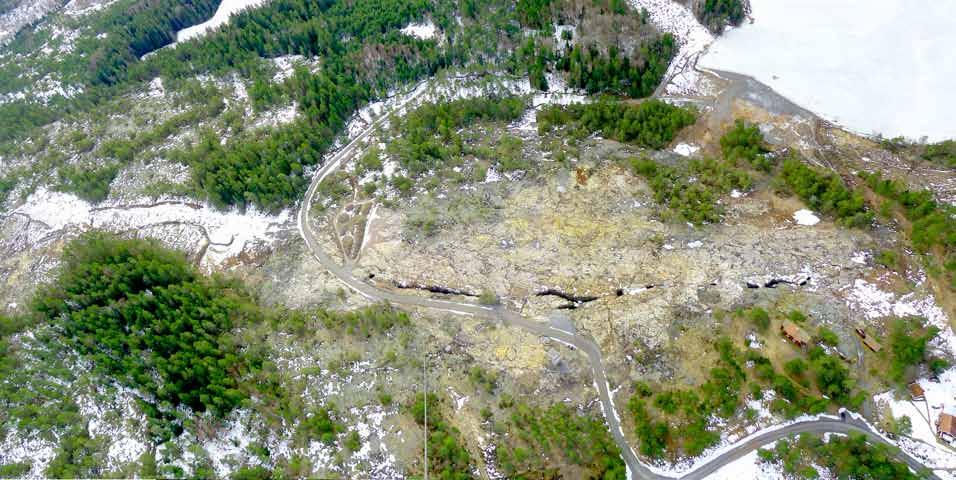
point(872, 344)
point(916, 391)
point(946, 427)
point(867, 340)
point(794, 333)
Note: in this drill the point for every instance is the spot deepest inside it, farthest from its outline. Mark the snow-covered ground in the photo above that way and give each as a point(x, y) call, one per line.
point(78, 8)
point(940, 398)
point(26, 13)
point(672, 17)
point(748, 467)
point(873, 303)
point(180, 224)
point(226, 8)
point(873, 66)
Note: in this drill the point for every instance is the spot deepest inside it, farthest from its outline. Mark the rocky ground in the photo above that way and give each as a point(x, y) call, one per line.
point(650, 290)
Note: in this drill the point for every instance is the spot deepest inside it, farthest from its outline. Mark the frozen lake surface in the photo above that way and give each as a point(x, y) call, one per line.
point(872, 66)
point(226, 8)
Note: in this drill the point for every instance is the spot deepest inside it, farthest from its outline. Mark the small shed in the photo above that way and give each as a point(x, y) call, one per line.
point(916, 391)
point(946, 427)
point(794, 333)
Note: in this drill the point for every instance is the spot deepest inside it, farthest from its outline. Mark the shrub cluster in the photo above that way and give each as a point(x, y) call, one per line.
point(932, 224)
point(540, 436)
point(826, 192)
point(651, 124)
point(844, 457)
point(745, 142)
point(693, 189)
point(428, 137)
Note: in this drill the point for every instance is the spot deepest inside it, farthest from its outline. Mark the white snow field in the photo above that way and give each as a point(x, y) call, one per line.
point(871, 66)
point(226, 8)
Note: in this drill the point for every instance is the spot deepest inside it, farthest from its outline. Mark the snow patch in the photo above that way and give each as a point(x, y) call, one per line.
point(156, 89)
point(228, 447)
point(686, 149)
point(749, 466)
point(424, 31)
point(859, 258)
point(805, 217)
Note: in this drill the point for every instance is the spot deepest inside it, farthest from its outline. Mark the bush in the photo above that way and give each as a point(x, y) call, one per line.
point(448, 459)
point(833, 379)
point(689, 411)
point(90, 184)
point(795, 368)
point(483, 379)
point(363, 322)
point(933, 227)
point(942, 153)
point(78, 456)
point(599, 71)
point(938, 365)
point(488, 297)
point(251, 473)
point(759, 317)
point(320, 426)
point(540, 439)
point(908, 340)
point(797, 316)
point(745, 142)
point(15, 470)
point(353, 442)
point(888, 259)
point(843, 457)
point(828, 337)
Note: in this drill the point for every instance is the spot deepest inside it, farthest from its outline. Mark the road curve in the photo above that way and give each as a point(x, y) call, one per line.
point(507, 317)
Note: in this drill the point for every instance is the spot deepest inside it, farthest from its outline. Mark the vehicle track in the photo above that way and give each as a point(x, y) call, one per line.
point(587, 345)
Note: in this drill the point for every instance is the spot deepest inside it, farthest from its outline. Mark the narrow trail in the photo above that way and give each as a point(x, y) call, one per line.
point(502, 315)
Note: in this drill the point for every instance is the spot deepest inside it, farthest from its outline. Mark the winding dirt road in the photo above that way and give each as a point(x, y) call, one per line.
point(637, 470)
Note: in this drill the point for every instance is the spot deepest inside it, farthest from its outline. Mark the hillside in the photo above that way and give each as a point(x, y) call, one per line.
point(293, 238)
